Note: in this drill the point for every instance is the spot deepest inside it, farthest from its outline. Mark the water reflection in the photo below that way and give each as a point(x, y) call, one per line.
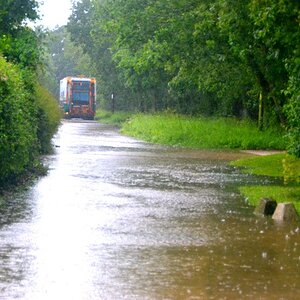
point(119, 219)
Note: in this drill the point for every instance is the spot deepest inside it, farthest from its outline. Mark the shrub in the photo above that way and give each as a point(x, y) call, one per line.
point(48, 117)
point(291, 169)
point(292, 110)
point(18, 141)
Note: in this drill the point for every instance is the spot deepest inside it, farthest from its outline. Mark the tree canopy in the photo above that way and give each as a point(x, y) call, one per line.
point(13, 13)
point(217, 57)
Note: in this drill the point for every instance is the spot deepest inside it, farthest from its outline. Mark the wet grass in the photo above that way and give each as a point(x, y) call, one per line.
point(278, 193)
point(202, 133)
point(270, 165)
point(117, 118)
point(283, 166)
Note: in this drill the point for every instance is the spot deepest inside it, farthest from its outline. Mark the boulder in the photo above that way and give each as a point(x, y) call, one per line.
point(266, 207)
point(285, 212)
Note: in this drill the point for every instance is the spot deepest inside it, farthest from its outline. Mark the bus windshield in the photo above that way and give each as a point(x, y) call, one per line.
point(80, 92)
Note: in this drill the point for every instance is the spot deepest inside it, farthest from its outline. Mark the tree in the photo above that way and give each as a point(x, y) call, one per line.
point(62, 58)
point(263, 35)
point(14, 12)
point(88, 31)
point(214, 57)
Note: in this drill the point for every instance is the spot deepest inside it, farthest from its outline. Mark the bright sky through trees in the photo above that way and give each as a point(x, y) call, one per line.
point(54, 12)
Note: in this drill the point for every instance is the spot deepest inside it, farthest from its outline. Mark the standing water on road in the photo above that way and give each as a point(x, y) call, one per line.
point(116, 218)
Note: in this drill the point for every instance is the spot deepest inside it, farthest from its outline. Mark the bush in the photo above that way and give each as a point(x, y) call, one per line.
point(18, 140)
point(48, 117)
point(292, 110)
point(291, 169)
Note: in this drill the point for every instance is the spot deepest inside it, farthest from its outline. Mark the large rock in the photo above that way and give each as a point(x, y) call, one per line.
point(285, 212)
point(266, 207)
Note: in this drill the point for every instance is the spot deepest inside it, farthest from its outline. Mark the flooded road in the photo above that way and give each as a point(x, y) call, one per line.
point(116, 218)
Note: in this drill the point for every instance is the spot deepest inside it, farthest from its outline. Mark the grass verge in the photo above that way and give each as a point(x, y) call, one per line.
point(270, 165)
point(282, 166)
point(117, 118)
point(278, 193)
point(202, 133)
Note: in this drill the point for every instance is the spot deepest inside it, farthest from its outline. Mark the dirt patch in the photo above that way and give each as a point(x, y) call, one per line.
point(262, 152)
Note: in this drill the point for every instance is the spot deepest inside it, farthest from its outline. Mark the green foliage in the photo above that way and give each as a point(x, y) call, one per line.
point(28, 118)
point(292, 108)
point(265, 36)
point(14, 12)
point(200, 132)
point(89, 31)
point(17, 129)
point(61, 58)
point(18, 43)
point(24, 49)
point(209, 57)
point(291, 169)
point(48, 116)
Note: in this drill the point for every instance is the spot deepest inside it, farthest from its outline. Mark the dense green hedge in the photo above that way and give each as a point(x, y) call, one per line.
point(48, 118)
point(28, 119)
point(17, 132)
point(293, 112)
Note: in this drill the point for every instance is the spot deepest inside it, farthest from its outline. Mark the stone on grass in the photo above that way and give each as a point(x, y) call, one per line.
point(285, 212)
point(266, 207)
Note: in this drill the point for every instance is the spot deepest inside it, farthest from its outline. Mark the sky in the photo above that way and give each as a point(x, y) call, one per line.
point(54, 12)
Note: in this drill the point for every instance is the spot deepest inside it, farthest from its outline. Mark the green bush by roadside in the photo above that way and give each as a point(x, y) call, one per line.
point(18, 138)
point(48, 116)
point(29, 117)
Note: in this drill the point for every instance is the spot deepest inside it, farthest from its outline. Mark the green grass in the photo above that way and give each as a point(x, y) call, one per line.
point(117, 118)
point(202, 133)
point(277, 165)
point(283, 166)
point(270, 165)
point(278, 193)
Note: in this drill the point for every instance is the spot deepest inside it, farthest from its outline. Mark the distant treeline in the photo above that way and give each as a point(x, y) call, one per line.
point(29, 115)
point(209, 57)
